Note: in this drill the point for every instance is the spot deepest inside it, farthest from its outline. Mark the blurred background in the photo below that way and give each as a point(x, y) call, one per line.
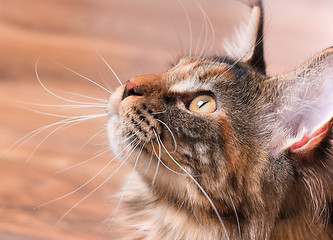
point(134, 37)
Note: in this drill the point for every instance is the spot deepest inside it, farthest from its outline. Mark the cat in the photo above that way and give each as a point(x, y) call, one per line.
point(221, 150)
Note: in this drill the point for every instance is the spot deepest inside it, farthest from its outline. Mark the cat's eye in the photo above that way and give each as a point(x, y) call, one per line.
point(203, 104)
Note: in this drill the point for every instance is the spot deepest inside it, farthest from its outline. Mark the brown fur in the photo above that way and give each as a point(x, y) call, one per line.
point(234, 163)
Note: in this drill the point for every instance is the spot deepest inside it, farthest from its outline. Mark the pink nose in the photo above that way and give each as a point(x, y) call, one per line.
point(130, 89)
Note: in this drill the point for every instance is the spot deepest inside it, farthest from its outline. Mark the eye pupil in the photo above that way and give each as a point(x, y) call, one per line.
point(202, 103)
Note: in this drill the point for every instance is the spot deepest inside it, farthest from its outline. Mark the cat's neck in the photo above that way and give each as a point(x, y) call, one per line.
point(300, 228)
point(151, 217)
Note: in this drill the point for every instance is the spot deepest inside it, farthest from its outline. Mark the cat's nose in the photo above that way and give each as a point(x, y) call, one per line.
point(130, 90)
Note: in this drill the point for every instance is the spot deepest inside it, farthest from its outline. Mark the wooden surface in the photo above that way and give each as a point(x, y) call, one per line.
point(135, 37)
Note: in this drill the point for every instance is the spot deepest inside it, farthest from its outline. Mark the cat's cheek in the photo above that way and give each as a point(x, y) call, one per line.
point(114, 101)
point(114, 133)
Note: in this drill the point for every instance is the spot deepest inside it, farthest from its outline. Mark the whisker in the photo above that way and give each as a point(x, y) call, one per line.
point(129, 180)
point(211, 26)
point(49, 91)
point(100, 108)
point(151, 158)
point(189, 25)
point(158, 112)
point(138, 123)
point(107, 149)
point(81, 95)
point(90, 139)
point(32, 134)
point(199, 40)
point(233, 206)
point(78, 74)
point(114, 73)
point(101, 75)
point(73, 122)
point(201, 189)
point(43, 140)
point(160, 160)
point(172, 135)
point(65, 105)
point(61, 116)
point(206, 37)
point(86, 183)
point(98, 187)
point(131, 136)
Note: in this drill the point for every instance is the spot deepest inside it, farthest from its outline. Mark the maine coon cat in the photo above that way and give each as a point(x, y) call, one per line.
point(221, 150)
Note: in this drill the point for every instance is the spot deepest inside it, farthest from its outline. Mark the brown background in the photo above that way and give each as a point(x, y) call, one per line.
point(135, 37)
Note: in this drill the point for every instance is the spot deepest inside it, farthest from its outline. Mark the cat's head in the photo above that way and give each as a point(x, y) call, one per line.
point(217, 131)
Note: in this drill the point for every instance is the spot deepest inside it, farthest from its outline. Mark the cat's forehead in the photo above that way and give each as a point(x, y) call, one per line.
point(191, 74)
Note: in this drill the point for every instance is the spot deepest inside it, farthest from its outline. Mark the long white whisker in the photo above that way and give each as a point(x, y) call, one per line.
point(66, 116)
point(100, 108)
point(127, 138)
point(201, 189)
point(43, 140)
point(98, 187)
point(61, 126)
point(189, 26)
point(87, 182)
point(211, 27)
point(61, 116)
point(199, 39)
point(90, 139)
point(80, 75)
point(233, 206)
point(206, 38)
point(65, 105)
point(129, 180)
point(32, 134)
point(101, 75)
point(81, 95)
point(49, 91)
point(172, 135)
point(114, 73)
point(151, 158)
point(107, 149)
point(160, 160)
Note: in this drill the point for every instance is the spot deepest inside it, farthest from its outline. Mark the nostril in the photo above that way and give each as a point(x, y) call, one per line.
point(130, 89)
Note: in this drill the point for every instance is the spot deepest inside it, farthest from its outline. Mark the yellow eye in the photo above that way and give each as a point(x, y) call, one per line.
point(203, 104)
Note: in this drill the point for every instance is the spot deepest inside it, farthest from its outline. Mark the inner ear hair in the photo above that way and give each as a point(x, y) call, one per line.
point(317, 149)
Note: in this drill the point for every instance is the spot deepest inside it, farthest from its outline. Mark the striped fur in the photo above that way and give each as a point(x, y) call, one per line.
point(234, 173)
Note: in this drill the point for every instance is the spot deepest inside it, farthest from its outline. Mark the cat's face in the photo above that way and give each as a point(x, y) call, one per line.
point(217, 132)
point(204, 115)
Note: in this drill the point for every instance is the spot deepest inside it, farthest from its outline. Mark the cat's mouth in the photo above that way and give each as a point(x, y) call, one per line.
point(140, 119)
point(132, 120)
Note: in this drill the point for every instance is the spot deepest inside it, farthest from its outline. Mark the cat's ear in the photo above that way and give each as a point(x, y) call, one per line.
point(303, 105)
point(247, 44)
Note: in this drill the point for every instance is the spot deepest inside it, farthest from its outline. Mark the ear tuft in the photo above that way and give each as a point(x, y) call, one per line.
point(247, 43)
